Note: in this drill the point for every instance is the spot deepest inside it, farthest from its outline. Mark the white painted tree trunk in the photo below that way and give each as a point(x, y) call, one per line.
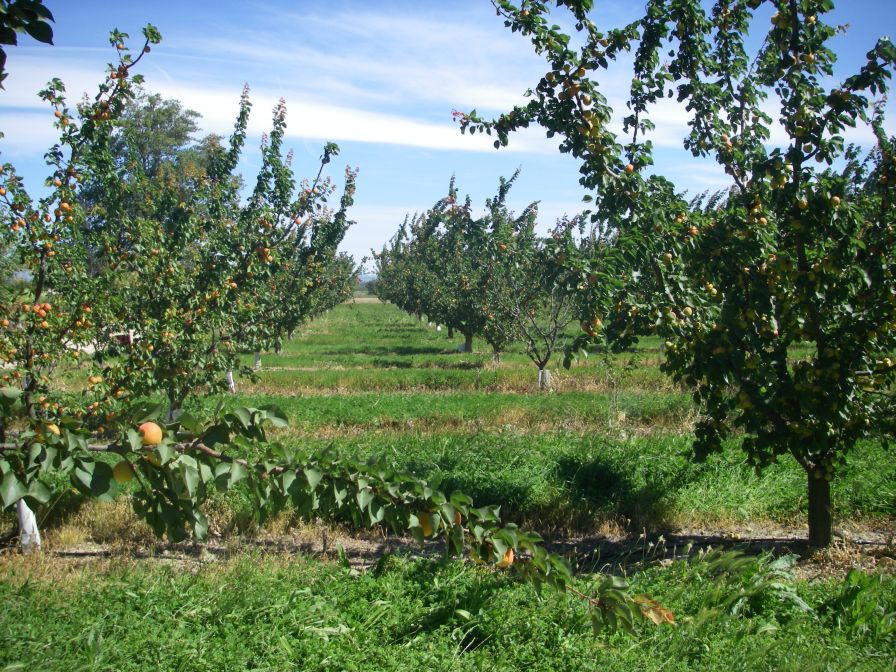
point(257, 361)
point(544, 380)
point(29, 535)
point(231, 384)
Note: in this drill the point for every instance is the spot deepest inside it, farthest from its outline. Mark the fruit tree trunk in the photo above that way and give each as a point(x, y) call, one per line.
point(257, 360)
point(544, 380)
point(468, 342)
point(28, 532)
point(821, 521)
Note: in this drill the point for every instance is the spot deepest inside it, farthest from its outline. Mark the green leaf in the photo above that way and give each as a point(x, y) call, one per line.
point(216, 435)
point(314, 476)
point(286, 480)
point(200, 525)
point(144, 411)
point(244, 416)
point(93, 478)
point(40, 31)
point(11, 490)
point(135, 440)
point(276, 416)
point(39, 492)
point(166, 452)
point(364, 498)
point(191, 481)
point(7, 36)
point(237, 472)
point(190, 423)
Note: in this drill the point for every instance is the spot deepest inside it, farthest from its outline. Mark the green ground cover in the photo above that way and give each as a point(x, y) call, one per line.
point(301, 614)
point(608, 449)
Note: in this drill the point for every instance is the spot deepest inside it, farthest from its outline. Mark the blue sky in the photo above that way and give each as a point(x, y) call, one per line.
point(379, 78)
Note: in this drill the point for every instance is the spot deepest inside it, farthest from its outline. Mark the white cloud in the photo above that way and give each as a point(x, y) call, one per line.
point(310, 117)
point(30, 133)
point(420, 62)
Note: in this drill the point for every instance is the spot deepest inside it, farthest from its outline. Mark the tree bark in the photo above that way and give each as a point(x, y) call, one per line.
point(544, 380)
point(175, 401)
point(257, 360)
point(231, 383)
point(821, 520)
point(496, 357)
point(450, 333)
point(29, 535)
point(468, 342)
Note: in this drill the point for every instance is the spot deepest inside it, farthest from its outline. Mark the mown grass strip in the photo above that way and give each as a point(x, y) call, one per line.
point(416, 411)
point(273, 614)
point(561, 483)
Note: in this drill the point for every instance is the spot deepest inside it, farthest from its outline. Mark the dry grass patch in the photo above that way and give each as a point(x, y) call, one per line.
point(101, 523)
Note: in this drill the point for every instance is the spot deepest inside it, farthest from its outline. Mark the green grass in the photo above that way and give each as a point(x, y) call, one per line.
point(569, 482)
point(267, 614)
point(374, 347)
point(571, 460)
point(611, 446)
point(416, 410)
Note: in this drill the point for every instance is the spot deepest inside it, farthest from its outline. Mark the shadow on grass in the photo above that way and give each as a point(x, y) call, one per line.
point(396, 363)
point(382, 350)
point(448, 599)
point(631, 554)
point(612, 493)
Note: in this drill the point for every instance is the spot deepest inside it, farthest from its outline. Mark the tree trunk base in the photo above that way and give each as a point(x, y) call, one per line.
point(821, 520)
point(544, 380)
point(29, 535)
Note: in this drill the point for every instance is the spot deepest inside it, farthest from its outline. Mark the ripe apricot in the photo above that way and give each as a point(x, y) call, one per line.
point(425, 524)
point(507, 560)
point(152, 434)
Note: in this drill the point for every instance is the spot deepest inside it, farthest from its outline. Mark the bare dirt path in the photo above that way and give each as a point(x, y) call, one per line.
point(869, 546)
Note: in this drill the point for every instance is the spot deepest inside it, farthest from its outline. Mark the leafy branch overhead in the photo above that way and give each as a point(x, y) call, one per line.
point(22, 16)
point(170, 472)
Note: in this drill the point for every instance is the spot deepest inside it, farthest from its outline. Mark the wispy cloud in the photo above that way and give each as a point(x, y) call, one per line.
point(324, 108)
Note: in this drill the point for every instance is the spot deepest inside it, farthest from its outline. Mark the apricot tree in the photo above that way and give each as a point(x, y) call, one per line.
point(777, 301)
point(114, 444)
point(191, 270)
